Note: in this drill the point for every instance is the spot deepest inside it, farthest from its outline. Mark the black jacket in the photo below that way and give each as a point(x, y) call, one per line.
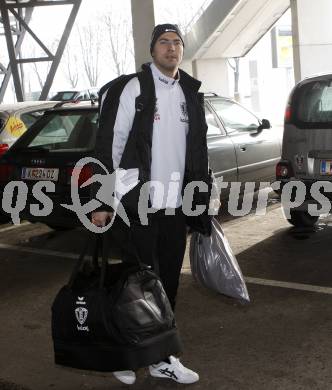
point(137, 152)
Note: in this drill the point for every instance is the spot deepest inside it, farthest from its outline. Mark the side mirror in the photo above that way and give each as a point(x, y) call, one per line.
point(264, 125)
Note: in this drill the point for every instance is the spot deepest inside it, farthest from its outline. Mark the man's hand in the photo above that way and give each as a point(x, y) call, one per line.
point(100, 218)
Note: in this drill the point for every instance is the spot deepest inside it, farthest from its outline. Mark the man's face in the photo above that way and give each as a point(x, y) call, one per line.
point(168, 51)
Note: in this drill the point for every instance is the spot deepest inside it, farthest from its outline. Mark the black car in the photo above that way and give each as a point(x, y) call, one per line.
point(241, 148)
point(49, 152)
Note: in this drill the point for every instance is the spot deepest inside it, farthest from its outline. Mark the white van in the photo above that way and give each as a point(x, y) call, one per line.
point(307, 147)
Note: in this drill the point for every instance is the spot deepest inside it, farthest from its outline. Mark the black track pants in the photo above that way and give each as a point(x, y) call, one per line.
point(161, 245)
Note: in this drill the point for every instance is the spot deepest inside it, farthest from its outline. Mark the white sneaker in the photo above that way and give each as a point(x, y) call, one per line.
point(173, 370)
point(127, 377)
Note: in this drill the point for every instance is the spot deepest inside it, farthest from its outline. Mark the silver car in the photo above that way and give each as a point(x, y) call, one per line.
point(242, 148)
point(307, 146)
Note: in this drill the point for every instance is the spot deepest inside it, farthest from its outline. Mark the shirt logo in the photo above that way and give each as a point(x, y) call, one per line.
point(184, 113)
point(163, 80)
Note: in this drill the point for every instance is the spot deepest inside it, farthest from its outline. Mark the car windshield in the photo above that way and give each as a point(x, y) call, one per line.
point(62, 130)
point(315, 102)
point(63, 96)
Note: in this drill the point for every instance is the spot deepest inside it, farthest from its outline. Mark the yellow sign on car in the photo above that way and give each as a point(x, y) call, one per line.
point(15, 126)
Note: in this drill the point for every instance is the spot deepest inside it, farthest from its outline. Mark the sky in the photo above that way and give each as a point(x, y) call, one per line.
point(49, 22)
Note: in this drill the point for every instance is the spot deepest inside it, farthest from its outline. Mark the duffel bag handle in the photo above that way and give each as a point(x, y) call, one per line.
point(92, 240)
point(101, 246)
point(105, 243)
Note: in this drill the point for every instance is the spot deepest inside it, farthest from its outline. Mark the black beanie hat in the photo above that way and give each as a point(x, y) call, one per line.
point(164, 28)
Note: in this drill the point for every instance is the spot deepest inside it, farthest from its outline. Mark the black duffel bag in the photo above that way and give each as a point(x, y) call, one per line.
point(112, 317)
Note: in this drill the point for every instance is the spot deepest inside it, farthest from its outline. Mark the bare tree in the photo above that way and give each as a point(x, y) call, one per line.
point(37, 72)
point(184, 13)
point(41, 69)
point(89, 38)
point(120, 41)
point(70, 64)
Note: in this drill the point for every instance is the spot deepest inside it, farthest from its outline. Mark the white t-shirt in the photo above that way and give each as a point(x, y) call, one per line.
point(170, 128)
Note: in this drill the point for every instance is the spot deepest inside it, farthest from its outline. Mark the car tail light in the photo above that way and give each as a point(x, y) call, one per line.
point(80, 175)
point(288, 113)
point(3, 149)
point(6, 171)
point(284, 170)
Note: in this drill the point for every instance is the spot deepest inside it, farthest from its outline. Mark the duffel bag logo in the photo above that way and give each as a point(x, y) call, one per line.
point(81, 314)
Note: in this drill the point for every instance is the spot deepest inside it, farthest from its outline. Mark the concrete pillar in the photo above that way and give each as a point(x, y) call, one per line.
point(143, 23)
point(312, 37)
point(214, 74)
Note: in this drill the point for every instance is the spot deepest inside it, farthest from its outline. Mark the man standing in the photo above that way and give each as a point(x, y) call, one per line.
point(162, 132)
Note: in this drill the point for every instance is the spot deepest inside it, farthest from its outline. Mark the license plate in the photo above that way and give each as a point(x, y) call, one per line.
point(326, 167)
point(40, 174)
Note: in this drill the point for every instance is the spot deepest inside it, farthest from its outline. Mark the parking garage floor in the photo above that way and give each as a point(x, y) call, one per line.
point(280, 341)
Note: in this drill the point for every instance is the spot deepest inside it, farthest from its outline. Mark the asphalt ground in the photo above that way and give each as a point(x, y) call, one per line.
point(280, 341)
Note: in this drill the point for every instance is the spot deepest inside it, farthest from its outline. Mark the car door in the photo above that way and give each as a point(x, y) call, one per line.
point(257, 150)
point(222, 158)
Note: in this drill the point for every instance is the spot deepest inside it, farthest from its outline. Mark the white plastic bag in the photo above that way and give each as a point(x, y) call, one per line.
point(214, 265)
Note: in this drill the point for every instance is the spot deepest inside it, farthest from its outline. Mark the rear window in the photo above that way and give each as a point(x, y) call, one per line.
point(29, 118)
point(62, 131)
point(314, 103)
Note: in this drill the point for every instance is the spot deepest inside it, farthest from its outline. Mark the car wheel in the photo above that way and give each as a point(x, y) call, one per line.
point(59, 228)
point(301, 219)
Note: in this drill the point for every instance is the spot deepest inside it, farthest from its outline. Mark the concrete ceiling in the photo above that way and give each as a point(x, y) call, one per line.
point(230, 28)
